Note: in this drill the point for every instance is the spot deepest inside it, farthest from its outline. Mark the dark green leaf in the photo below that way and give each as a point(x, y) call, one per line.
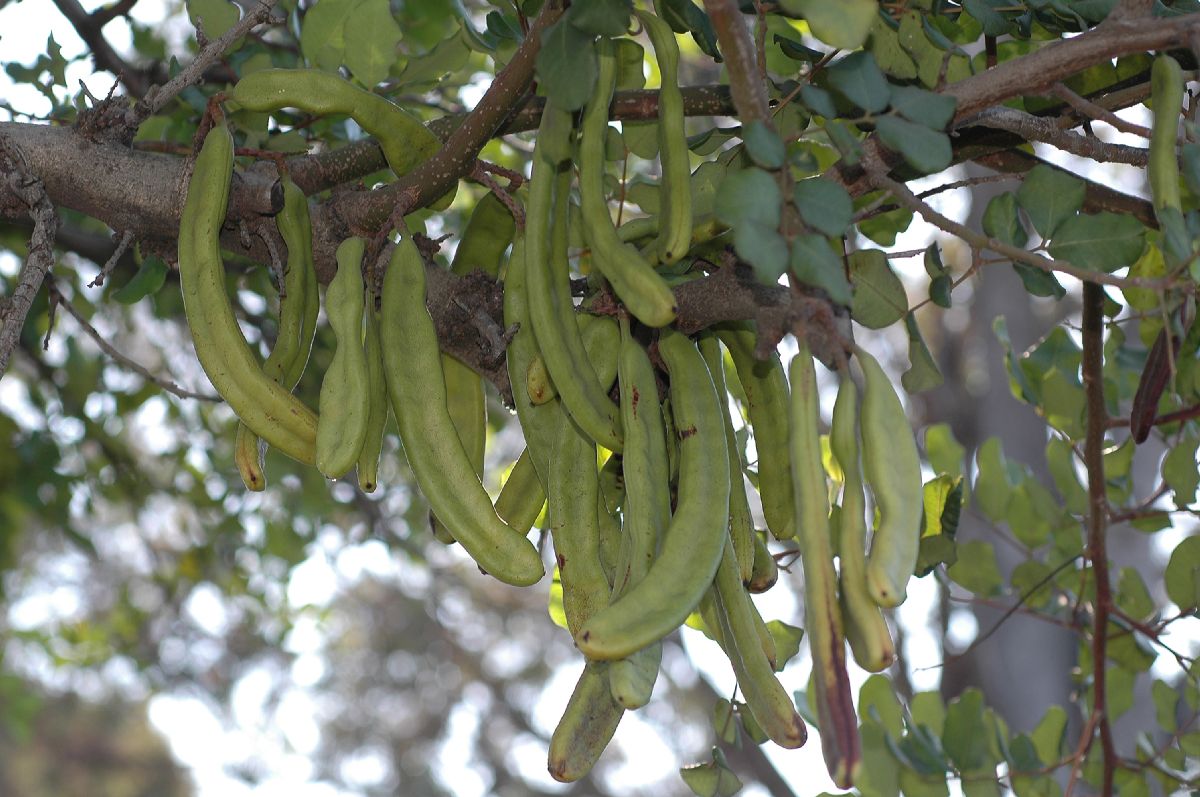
point(566, 65)
point(1104, 241)
point(964, 737)
point(1050, 196)
point(923, 107)
point(1182, 576)
point(787, 641)
point(923, 373)
point(976, 568)
point(797, 51)
point(818, 100)
point(927, 151)
point(879, 297)
point(858, 79)
point(994, 23)
point(148, 279)
point(1000, 220)
point(749, 194)
point(764, 145)
point(815, 263)
point(374, 36)
point(844, 24)
point(1179, 469)
point(1038, 282)
point(824, 205)
point(685, 17)
point(1050, 734)
point(762, 247)
point(601, 17)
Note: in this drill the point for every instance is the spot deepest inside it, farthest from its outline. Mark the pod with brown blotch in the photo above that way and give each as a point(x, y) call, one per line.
point(345, 387)
point(840, 743)
point(586, 727)
point(770, 703)
point(573, 498)
point(642, 290)
point(866, 629)
point(521, 498)
point(695, 539)
point(892, 469)
point(412, 367)
point(368, 457)
point(741, 524)
point(248, 457)
point(265, 406)
point(766, 570)
point(766, 391)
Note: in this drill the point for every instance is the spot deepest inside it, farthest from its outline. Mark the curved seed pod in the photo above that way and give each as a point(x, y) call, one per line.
point(468, 412)
point(412, 367)
point(631, 680)
point(766, 569)
point(368, 457)
point(522, 497)
point(893, 471)
point(586, 727)
point(269, 410)
point(866, 629)
point(675, 232)
point(573, 498)
point(741, 525)
point(485, 239)
point(553, 313)
point(766, 403)
point(404, 139)
point(694, 541)
point(835, 705)
point(1166, 93)
point(771, 705)
point(634, 280)
point(345, 388)
point(248, 456)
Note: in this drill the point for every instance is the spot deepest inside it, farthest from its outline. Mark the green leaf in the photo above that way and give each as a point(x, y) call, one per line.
point(323, 35)
point(815, 263)
point(944, 452)
point(964, 736)
point(149, 278)
point(762, 247)
point(1166, 704)
point(927, 151)
point(566, 65)
point(879, 775)
point(1132, 596)
point(787, 641)
point(1050, 734)
point(1179, 470)
point(929, 711)
point(723, 721)
point(857, 78)
point(922, 373)
point(601, 17)
point(218, 16)
point(448, 56)
point(976, 568)
point(1000, 220)
point(641, 138)
point(685, 17)
point(1103, 241)
point(942, 501)
point(877, 699)
point(879, 297)
point(993, 488)
point(884, 44)
point(749, 194)
point(1182, 576)
point(1060, 457)
point(927, 108)
point(844, 24)
point(1050, 196)
point(796, 50)
point(764, 145)
point(818, 100)
point(375, 35)
point(713, 779)
point(1189, 166)
point(994, 23)
point(1119, 685)
point(824, 205)
point(1038, 282)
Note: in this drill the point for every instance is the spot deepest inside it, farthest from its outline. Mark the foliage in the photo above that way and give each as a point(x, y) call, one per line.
point(120, 489)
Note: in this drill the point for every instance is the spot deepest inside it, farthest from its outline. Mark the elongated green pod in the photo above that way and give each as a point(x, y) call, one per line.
point(767, 405)
point(612, 483)
point(486, 237)
point(586, 727)
point(631, 680)
point(573, 498)
point(404, 139)
point(866, 629)
point(468, 412)
point(248, 456)
point(766, 569)
point(345, 388)
point(539, 422)
point(1166, 92)
point(771, 705)
point(600, 340)
point(412, 367)
point(741, 524)
point(694, 541)
point(553, 313)
point(675, 232)
point(368, 457)
point(893, 472)
point(265, 406)
point(835, 704)
point(633, 279)
point(521, 498)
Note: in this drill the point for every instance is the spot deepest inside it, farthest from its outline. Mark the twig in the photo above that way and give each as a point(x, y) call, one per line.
point(158, 96)
point(1035, 128)
point(877, 171)
point(1085, 743)
point(128, 362)
point(1097, 520)
point(111, 263)
point(89, 29)
point(1094, 111)
point(30, 191)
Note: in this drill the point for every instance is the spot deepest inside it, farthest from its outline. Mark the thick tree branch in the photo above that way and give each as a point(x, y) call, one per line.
point(29, 191)
point(745, 82)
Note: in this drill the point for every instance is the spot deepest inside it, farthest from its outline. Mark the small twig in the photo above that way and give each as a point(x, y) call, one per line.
point(1094, 111)
point(1085, 743)
point(159, 96)
point(1035, 128)
point(128, 362)
point(30, 191)
point(111, 263)
point(480, 175)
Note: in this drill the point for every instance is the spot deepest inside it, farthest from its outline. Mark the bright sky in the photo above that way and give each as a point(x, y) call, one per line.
point(284, 739)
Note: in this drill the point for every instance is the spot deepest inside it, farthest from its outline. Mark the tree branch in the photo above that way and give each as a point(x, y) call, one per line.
point(89, 29)
point(1035, 128)
point(745, 82)
point(29, 190)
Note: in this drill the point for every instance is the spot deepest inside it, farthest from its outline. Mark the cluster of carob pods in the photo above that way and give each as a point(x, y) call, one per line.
point(662, 530)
